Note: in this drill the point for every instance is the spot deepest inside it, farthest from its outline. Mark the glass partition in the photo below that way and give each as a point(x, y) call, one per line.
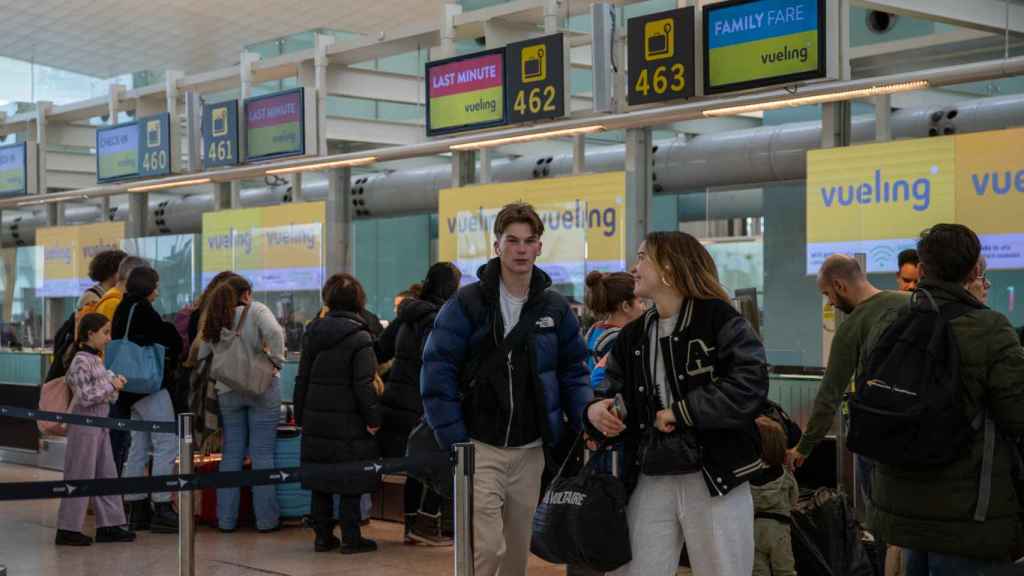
point(174, 258)
point(24, 316)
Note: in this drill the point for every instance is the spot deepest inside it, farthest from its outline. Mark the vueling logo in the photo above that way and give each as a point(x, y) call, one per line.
point(999, 184)
point(917, 193)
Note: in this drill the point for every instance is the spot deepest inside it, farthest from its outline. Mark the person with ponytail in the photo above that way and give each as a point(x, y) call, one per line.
point(610, 298)
point(250, 421)
point(88, 455)
point(694, 377)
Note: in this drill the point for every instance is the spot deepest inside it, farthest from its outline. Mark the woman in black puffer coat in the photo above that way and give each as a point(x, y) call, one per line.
point(402, 403)
point(337, 407)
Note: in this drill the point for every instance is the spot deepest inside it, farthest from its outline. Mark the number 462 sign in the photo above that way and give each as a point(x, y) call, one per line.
point(661, 56)
point(535, 76)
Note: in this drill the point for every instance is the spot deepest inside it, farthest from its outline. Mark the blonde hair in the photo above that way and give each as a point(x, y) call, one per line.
point(685, 265)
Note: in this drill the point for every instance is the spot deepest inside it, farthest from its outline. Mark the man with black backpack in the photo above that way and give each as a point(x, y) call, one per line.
point(939, 399)
point(503, 366)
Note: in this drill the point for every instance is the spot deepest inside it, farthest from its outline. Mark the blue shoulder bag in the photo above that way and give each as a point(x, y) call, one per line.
point(142, 366)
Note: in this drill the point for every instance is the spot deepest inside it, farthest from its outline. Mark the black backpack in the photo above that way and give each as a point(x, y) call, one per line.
point(906, 408)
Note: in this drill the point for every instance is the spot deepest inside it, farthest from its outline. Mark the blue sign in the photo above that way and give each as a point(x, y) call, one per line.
point(13, 170)
point(220, 134)
point(155, 145)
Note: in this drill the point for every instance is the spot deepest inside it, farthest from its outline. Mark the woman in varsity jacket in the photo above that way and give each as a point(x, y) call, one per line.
point(693, 376)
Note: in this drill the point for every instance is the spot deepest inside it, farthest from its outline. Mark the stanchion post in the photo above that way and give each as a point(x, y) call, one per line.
point(465, 463)
point(186, 515)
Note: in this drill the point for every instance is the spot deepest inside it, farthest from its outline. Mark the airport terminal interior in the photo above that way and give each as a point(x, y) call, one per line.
point(290, 141)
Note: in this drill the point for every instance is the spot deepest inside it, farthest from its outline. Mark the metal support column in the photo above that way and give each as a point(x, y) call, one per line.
point(552, 16)
point(463, 168)
point(447, 49)
point(296, 183)
point(186, 516)
point(639, 188)
point(245, 63)
point(321, 43)
point(194, 131)
point(138, 209)
point(171, 78)
point(883, 118)
point(339, 256)
point(222, 196)
point(465, 465)
point(485, 165)
point(579, 154)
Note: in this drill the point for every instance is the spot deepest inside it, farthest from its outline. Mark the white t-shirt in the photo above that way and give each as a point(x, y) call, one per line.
point(511, 307)
point(664, 330)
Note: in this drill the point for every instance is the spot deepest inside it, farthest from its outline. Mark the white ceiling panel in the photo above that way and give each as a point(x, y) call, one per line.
point(106, 38)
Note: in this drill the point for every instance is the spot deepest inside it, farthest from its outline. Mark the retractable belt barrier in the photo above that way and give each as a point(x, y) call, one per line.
point(413, 466)
point(94, 421)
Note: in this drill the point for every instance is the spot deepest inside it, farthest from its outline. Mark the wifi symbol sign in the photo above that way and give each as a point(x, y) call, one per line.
point(882, 256)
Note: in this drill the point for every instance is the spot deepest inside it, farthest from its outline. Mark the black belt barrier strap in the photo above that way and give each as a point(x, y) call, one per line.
point(94, 421)
point(177, 483)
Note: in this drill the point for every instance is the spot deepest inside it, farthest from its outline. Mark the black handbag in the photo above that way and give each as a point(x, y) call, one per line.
point(582, 521)
point(671, 454)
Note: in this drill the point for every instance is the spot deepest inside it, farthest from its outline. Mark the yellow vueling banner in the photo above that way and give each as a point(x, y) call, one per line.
point(68, 251)
point(877, 198)
point(277, 248)
point(584, 224)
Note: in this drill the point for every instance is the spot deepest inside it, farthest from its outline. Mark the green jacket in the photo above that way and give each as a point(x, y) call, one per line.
point(933, 509)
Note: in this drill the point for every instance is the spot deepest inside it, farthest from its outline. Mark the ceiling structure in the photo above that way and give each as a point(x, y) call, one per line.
point(106, 38)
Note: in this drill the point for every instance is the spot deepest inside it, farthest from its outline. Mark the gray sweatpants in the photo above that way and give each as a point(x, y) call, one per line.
point(666, 511)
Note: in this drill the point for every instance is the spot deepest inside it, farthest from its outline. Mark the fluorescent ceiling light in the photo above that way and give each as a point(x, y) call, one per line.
point(527, 138)
point(325, 165)
point(168, 185)
point(819, 99)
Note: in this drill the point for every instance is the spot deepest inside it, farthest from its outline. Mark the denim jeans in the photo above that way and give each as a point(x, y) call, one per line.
point(918, 563)
point(156, 407)
point(250, 426)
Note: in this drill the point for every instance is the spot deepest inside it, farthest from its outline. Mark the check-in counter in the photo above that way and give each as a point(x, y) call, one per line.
point(21, 376)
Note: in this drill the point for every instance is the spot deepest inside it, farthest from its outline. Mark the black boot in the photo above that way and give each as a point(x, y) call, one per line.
point(114, 534)
point(70, 538)
point(165, 519)
point(140, 515)
point(358, 546)
point(325, 538)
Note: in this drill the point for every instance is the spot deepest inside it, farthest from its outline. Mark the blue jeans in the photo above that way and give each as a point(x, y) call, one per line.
point(156, 407)
point(250, 425)
point(919, 563)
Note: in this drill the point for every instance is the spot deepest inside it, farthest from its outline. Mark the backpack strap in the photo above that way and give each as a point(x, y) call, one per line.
point(128, 327)
point(238, 329)
point(987, 458)
point(773, 516)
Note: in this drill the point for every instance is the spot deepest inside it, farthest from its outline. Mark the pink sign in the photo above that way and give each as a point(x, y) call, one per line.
point(467, 75)
point(273, 111)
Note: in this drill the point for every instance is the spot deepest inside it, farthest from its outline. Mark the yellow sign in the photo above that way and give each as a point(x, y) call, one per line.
point(68, 251)
point(278, 248)
point(876, 199)
point(659, 41)
point(584, 224)
point(534, 64)
point(219, 117)
point(153, 133)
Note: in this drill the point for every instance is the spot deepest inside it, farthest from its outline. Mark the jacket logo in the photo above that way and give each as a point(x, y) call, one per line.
point(545, 322)
point(698, 358)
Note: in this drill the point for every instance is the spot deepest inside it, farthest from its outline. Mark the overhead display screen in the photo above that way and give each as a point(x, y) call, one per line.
point(275, 125)
point(13, 170)
point(466, 93)
point(117, 152)
point(754, 43)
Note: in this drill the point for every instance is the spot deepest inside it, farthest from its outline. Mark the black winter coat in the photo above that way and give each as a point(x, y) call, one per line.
point(334, 398)
point(405, 344)
point(147, 328)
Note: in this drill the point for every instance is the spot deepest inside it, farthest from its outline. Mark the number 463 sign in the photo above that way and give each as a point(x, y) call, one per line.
point(661, 52)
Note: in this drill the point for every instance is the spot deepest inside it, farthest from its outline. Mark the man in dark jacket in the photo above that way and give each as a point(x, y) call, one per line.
point(934, 512)
point(508, 395)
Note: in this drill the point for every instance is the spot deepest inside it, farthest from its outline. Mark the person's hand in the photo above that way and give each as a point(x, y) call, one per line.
point(119, 382)
point(794, 459)
point(604, 419)
point(372, 429)
point(665, 421)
